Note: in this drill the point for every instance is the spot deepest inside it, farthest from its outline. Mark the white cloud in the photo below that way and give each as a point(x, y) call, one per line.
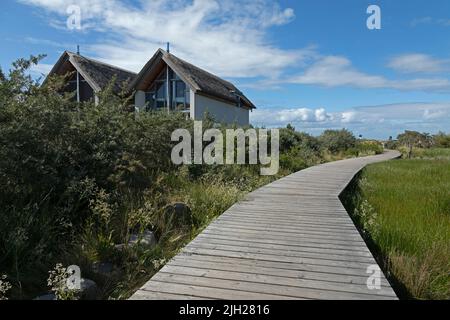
point(41, 69)
point(226, 37)
point(274, 117)
point(434, 114)
point(334, 71)
point(418, 63)
point(348, 116)
point(321, 115)
point(371, 121)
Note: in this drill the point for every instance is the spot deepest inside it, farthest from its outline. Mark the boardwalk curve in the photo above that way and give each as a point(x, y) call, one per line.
point(291, 239)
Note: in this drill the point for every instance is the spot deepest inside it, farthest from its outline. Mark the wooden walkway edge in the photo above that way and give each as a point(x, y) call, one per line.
point(291, 239)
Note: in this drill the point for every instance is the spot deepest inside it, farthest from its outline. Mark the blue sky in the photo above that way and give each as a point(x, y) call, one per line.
point(314, 64)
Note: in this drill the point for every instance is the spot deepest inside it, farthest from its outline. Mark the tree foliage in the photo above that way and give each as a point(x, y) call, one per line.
point(337, 140)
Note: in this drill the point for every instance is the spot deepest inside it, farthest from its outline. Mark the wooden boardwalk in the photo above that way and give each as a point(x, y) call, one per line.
point(291, 239)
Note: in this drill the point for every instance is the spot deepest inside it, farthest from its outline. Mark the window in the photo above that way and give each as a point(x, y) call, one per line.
point(86, 92)
point(156, 97)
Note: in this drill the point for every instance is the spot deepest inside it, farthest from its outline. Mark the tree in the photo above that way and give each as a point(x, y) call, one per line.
point(442, 140)
point(337, 140)
point(413, 139)
point(289, 138)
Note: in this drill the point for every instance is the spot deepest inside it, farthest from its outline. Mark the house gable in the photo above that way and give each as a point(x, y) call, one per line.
point(200, 81)
point(97, 74)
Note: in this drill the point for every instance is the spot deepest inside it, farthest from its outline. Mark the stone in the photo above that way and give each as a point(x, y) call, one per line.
point(89, 289)
point(147, 239)
point(103, 268)
point(178, 215)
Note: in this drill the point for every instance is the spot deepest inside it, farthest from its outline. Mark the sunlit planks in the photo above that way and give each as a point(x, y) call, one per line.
point(291, 239)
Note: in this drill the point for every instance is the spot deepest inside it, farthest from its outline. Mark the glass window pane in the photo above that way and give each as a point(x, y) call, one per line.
point(160, 90)
point(160, 104)
point(180, 89)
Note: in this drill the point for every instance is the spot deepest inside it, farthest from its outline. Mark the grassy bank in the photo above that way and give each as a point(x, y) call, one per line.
point(403, 210)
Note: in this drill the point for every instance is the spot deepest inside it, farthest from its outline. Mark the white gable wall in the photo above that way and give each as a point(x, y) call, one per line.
point(220, 111)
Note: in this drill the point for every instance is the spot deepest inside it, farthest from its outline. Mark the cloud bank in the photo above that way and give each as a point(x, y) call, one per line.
point(231, 39)
point(373, 121)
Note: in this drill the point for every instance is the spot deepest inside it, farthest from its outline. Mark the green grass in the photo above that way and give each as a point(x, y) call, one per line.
point(436, 153)
point(403, 207)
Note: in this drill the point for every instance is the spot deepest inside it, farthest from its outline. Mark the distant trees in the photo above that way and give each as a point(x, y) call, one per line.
point(290, 138)
point(337, 140)
point(412, 139)
point(442, 140)
point(415, 139)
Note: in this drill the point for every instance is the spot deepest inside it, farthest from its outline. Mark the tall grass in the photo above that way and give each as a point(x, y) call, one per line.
point(403, 209)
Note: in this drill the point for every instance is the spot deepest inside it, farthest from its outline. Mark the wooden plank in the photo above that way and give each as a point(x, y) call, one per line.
point(322, 258)
point(274, 280)
point(304, 243)
point(297, 239)
point(325, 249)
point(155, 295)
point(206, 291)
point(263, 288)
point(291, 239)
point(264, 268)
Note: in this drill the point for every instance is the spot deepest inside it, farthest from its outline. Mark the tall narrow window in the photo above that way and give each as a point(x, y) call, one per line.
point(156, 96)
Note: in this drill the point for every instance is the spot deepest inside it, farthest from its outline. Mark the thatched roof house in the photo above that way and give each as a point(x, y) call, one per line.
point(166, 82)
point(94, 75)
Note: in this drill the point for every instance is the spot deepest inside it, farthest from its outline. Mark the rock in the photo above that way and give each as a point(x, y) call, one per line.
point(146, 239)
point(120, 246)
point(178, 215)
point(47, 297)
point(89, 289)
point(103, 268)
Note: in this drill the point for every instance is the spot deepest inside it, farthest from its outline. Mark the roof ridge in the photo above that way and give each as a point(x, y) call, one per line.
point(203, 70)
point(100, 62)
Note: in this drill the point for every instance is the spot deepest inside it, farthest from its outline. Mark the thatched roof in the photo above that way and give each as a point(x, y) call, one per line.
point(99, 74)
point(199, 80)
point(96, 73)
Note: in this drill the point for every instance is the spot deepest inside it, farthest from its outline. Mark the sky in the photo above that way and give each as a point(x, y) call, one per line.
point(314, 64)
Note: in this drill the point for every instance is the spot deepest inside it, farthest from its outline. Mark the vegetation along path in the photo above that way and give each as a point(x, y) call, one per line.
point(291, 239)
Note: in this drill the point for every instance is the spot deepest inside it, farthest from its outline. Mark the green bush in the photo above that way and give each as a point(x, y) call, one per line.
point(337, 140)
point(56, 157)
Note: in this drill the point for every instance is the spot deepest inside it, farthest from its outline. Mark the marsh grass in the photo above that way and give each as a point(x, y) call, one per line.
point(403, 210)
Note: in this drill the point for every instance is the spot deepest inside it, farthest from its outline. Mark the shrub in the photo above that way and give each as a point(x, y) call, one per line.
point(337, 140)
point(368, 147)
point(5, 286)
